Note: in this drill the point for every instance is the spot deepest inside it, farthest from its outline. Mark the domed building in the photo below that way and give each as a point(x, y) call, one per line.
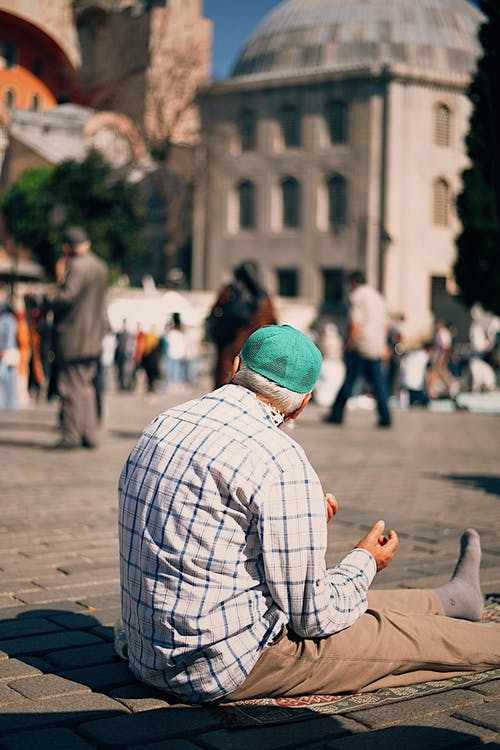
point(338, 143)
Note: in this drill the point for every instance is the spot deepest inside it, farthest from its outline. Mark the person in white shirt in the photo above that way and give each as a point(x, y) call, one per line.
point(416, 374)
point(364, 349)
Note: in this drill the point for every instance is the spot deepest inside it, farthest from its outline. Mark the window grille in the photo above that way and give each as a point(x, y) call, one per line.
point(441, 203)
point(442, 125)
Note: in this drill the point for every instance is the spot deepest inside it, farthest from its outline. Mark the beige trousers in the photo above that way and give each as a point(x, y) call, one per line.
point(401, 639)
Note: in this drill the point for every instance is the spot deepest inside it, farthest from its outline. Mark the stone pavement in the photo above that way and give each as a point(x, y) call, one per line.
point(61, 687)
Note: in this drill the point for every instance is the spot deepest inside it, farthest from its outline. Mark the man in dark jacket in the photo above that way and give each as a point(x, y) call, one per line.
point(80, 322)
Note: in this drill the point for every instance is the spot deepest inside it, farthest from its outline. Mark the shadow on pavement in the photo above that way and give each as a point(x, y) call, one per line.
point(33, 426)
point(486, 482)
point(51, 652)
point(22, 443)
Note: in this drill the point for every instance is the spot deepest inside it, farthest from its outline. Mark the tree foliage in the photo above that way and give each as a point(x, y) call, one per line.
point(477, 269)
point(90, 194)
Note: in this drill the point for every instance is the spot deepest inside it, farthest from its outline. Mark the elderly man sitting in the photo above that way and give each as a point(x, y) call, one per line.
point(225, 590)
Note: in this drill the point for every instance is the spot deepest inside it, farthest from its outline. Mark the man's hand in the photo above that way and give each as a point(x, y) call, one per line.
point(382, 548)
point(332, 506)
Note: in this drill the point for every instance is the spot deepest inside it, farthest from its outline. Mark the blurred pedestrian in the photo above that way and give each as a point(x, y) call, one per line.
point(150, 357)
point(416, 375)
point(176, 351)
point(36, 325)
point(9, 357)
point(124, 357)
point(364, 349)
point(241, 307)
point(24, 346)
point(80, 322)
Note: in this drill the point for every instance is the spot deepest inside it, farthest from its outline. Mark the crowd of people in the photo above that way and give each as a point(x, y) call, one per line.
point(375, 360)
point(35, 336)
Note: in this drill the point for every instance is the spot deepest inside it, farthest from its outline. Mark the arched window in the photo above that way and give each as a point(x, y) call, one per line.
point(246, 198)
point(290, 125)
point(291, 202)
point(248, 130)
point(442, 125)
point(35, 103)
point(337, 201)
point(10, 98)
point(441, 203)
point(10, 53)
point(336, 119)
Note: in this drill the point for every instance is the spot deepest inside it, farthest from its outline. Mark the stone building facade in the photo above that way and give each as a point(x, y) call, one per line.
point(117, 75)
point(142, 59)
point(338, 143)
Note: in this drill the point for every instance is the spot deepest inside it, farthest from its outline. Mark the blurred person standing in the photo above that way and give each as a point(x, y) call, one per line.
point(124, 357)
point(9, 357)
point(176, 350)
point(416, 376)
point(80, 322)
point(24, 346)
point(241, 307)
point(365, 348)
point(150, 357)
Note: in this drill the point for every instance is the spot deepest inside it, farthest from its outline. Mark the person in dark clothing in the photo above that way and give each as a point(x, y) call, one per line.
point(80, 322)
point(241, 307)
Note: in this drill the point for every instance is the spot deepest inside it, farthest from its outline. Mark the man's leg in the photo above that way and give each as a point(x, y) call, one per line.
point(384, 648)
point(87, 405)
point(373, 369)
point(68, 390)
point(403, 638)
point(352, 362)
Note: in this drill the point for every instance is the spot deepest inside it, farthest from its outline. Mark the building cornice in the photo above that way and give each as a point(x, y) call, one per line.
point(362, 74)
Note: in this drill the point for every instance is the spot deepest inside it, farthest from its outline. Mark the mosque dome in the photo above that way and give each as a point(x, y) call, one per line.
point(417, 37)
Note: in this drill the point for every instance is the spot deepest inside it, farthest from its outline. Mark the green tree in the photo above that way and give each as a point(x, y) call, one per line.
point(477, 269)
point(89, 193)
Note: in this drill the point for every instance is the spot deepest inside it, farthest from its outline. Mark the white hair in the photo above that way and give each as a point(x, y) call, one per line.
point(284, 400)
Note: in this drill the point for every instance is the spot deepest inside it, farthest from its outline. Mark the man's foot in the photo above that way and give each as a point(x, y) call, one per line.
point(62, 445)
point(331, 420)
point(462, 596)
point(88, 444)
point(384, 425)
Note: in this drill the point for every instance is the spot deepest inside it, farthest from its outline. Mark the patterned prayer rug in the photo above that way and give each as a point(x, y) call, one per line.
point(259, 711)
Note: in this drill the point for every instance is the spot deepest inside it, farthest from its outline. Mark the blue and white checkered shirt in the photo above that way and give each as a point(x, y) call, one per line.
point(222, 542)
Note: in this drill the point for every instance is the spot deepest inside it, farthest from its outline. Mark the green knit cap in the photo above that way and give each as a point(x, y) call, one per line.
point(284, 355)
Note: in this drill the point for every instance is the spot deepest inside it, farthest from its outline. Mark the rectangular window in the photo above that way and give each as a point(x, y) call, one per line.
point(288, 282)
point(291, 202)
point(290, 126)
point(333, 289)
point(336, 117)
point(248, 131)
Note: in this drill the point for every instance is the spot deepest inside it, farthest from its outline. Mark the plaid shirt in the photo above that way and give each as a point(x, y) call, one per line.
point(222, 542)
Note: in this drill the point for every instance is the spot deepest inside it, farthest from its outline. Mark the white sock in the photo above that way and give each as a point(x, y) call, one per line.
point(462, 596)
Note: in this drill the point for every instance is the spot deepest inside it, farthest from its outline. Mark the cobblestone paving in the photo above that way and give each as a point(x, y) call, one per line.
point(61, 686)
